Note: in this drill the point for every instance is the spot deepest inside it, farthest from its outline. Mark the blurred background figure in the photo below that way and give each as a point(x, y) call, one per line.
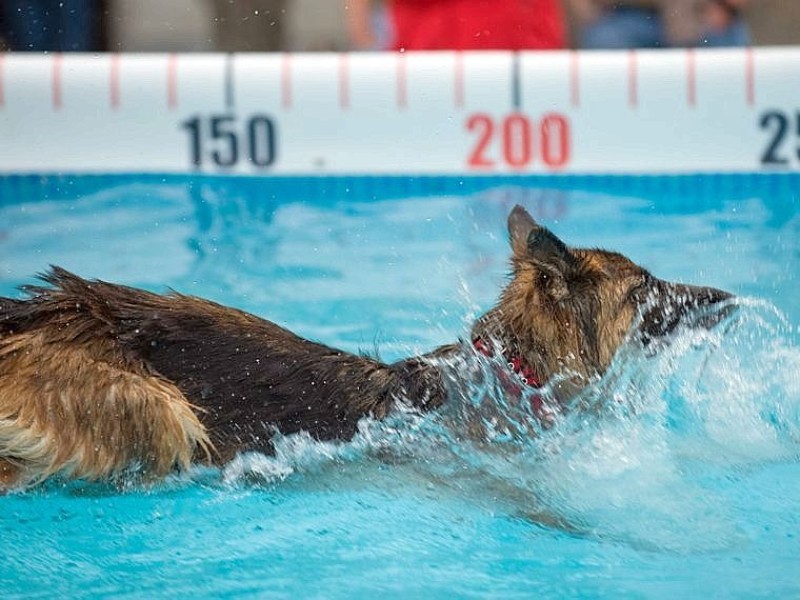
point(250, 25)
point(460, 24)
point(368, 24)
point(52, 25)
point(659, 23)
point(325, 25)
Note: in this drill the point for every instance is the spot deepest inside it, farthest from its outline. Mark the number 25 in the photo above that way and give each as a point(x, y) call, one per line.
point(779, 124)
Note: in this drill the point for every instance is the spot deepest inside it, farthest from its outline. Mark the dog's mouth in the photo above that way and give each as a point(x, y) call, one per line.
point(669, 307)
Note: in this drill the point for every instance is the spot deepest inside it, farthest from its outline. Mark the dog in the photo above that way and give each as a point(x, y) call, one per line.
point(98, 380)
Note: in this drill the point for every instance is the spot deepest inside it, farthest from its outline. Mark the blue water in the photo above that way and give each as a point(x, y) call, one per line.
point(683, 480)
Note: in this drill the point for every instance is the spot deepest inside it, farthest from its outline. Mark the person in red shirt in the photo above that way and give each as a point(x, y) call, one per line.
point(470, 24)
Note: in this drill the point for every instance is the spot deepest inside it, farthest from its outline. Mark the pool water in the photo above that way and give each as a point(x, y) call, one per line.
point(682, 480)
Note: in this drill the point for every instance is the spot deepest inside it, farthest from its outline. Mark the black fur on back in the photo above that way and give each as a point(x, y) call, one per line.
point(247, 376)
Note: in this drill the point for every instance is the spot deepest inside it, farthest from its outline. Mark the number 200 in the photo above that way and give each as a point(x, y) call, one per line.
point(519, 139)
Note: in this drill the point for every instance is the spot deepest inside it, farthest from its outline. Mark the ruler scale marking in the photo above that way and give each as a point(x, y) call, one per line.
point(58, 59)
point(172, 81)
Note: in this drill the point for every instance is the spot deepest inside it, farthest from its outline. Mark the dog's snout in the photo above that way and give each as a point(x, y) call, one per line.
point(683, 298)
point(707, 296)
point(670, 305)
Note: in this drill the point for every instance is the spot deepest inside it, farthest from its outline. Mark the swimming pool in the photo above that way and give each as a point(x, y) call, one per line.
point(686, 484)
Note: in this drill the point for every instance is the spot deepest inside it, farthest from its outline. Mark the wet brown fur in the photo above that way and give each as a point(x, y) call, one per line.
point(580, 320)
point(98, 379)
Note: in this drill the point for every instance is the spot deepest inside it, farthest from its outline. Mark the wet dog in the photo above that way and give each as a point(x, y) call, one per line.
point(99, 380)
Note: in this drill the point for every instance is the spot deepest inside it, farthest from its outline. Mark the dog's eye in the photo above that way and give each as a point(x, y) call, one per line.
point(544, 278)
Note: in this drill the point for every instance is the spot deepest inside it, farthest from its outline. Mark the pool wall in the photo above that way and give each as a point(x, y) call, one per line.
point(448, 113)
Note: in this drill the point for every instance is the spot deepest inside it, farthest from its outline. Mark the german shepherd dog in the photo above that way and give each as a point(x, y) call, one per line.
point(98, 381)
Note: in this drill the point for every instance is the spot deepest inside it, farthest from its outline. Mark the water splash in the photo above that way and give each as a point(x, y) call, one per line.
point(648, 455)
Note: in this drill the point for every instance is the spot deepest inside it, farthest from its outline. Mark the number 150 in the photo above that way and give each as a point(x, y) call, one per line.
point(221, 140)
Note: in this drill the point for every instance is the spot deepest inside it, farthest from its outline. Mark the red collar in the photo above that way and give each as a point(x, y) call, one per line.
point(525, 372)
point(543, 411)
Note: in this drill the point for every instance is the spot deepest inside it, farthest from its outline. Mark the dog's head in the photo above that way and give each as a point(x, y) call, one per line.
point(570, 309)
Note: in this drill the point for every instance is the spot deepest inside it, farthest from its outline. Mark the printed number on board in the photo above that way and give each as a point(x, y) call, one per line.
point(225, 141)
point(517, 142)
point(783, 138)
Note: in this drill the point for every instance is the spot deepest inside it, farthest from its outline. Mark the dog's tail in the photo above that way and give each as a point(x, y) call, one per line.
point(72, 400)
point(64, 295)
point(9, 314)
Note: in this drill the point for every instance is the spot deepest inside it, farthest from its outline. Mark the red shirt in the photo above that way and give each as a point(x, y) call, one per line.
point(477, 24)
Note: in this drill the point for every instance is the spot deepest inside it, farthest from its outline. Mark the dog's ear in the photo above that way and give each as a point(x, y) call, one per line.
point(546, 249)
point(553, 261)
point(532, 242)
point(537, 245)
point(520, 226)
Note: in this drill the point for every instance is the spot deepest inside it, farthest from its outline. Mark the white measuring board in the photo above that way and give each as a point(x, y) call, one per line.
point(664, 111)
